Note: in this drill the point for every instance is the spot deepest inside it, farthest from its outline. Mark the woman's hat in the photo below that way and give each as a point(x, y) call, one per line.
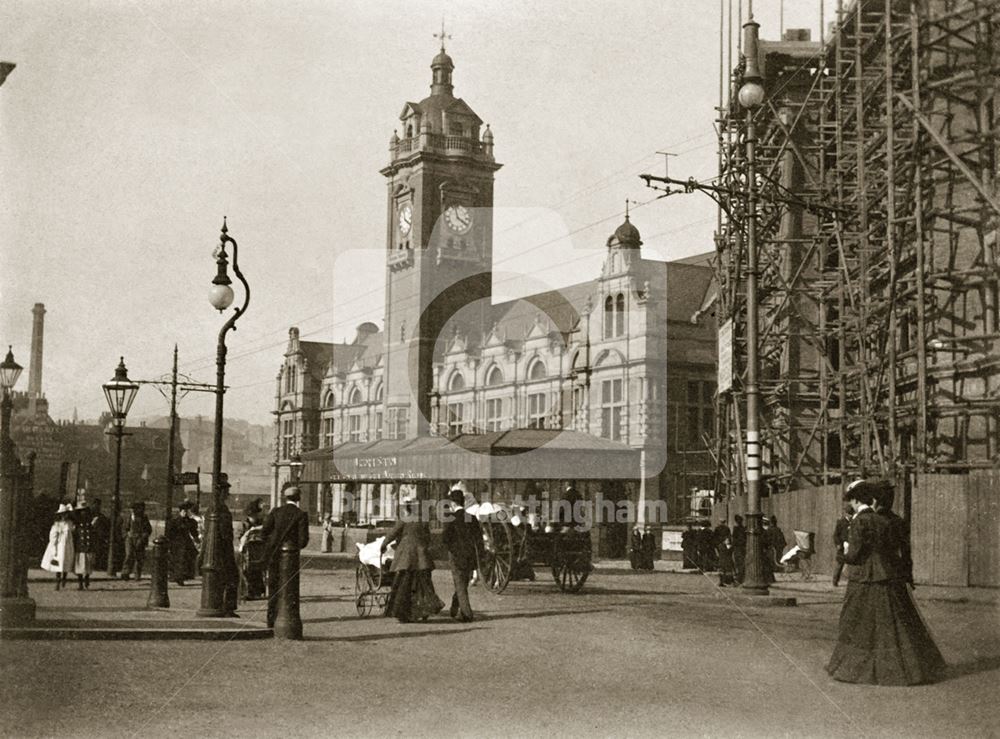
point(64, 508)
point(460, 486)
point(184, 505)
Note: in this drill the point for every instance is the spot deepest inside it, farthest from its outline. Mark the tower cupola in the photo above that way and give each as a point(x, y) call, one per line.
point(442, 67)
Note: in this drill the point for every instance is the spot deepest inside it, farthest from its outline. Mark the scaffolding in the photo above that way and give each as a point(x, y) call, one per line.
point(877, 237)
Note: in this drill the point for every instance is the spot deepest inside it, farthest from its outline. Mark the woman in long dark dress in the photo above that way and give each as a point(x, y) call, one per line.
point(412, 597)
point(883, 640)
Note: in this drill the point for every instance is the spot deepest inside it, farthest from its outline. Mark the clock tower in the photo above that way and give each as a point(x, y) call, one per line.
point(439, 239)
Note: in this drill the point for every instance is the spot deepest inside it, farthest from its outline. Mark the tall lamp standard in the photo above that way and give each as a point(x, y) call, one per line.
point(751, 95)
point(13, 609)
point(120, 392)
point(221, 297)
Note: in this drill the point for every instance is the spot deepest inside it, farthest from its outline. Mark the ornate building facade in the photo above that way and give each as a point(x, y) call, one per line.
point(595, 357)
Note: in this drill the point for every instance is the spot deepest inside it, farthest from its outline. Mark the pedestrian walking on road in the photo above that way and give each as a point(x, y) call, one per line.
point(100, 529)
point(689, 546)
point(83, 545)
point(461, 536)
point(839, 538)
point(286, 523)
point(182, 538)
point(635, 550)
point(412, 597)
point(136, 531)
point(883, 640)
point(724, 552)
point(59, 554)
point(778, 543)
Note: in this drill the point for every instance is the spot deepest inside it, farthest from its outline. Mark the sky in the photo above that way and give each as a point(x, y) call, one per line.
point(128, 129)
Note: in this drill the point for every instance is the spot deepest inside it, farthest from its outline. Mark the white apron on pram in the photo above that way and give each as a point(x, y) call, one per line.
point(371, 553)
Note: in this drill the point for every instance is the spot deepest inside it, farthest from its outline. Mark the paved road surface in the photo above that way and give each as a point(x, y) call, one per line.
point(634, 655)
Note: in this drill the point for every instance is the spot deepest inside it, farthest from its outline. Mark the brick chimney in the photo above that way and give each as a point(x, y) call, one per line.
point(35, 364)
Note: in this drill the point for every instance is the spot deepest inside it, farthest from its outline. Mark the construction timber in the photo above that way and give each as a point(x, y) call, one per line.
point(877, 156)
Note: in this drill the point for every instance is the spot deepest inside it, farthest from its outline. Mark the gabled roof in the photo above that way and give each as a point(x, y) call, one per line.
point(687, 285)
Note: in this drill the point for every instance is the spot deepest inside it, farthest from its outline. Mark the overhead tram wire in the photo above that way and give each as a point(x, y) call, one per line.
point(206, 362)
point(345, 322)
point(618, 175)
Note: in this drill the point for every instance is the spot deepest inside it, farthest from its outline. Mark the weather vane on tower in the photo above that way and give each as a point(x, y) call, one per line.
point(442, 35)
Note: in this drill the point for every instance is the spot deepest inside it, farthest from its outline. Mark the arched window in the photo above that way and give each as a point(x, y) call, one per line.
point(457, 382)
point(378, 394)
point(609, 317)
point(330, 400)
point(494, 376)
point(537, 370)
point(620, 315)
point(356, 397)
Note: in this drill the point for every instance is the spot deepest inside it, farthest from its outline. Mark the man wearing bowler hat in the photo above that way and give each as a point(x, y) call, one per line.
point(286, 523)
point(461, 536)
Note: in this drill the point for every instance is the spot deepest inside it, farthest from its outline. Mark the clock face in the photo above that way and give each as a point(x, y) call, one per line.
point(405, 219)
point(458, 218)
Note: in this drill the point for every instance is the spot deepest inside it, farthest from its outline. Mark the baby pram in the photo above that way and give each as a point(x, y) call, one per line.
point(800, 556)
point(372, 579)
point(252, 567)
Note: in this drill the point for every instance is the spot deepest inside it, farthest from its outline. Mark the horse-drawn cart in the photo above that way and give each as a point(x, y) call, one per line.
point(511, 547)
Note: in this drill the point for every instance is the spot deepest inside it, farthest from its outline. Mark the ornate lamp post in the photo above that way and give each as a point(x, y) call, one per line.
point(120, 392)
point(751, 95)
point(213, 565)
point(15, 607)
point(9, 372)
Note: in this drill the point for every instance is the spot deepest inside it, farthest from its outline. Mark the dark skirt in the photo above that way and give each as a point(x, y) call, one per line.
point(412, 597)
point(883, 639)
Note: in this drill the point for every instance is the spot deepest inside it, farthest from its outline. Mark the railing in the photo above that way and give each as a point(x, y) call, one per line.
point(438, 141)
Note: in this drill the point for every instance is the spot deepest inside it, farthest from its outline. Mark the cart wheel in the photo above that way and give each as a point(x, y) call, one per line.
point(362, 590)
point(496, 558)
point(571, 565)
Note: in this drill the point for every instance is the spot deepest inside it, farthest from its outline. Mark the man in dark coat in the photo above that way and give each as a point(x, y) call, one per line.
point(461, 537)
point(100, 529)
point(778, 541)
point(689, 547)
point(724, 553)
point(839, 537)
point(707, 542)
point(739, 536)
point(182, 535)
point(635, 551)
point(286, 523)
point(136, 531)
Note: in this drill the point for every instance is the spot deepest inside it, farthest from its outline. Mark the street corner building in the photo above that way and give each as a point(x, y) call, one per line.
point(606, 383)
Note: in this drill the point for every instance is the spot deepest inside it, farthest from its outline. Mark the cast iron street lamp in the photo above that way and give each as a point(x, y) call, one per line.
point(221, 297)
point(13, 608)
point(120, 392)
point(751, 95)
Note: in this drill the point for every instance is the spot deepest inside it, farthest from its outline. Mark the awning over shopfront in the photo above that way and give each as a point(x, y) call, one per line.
point(500, 455)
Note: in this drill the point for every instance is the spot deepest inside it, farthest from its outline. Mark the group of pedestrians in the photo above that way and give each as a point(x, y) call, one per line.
point(78, 543)
point(412, 596)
